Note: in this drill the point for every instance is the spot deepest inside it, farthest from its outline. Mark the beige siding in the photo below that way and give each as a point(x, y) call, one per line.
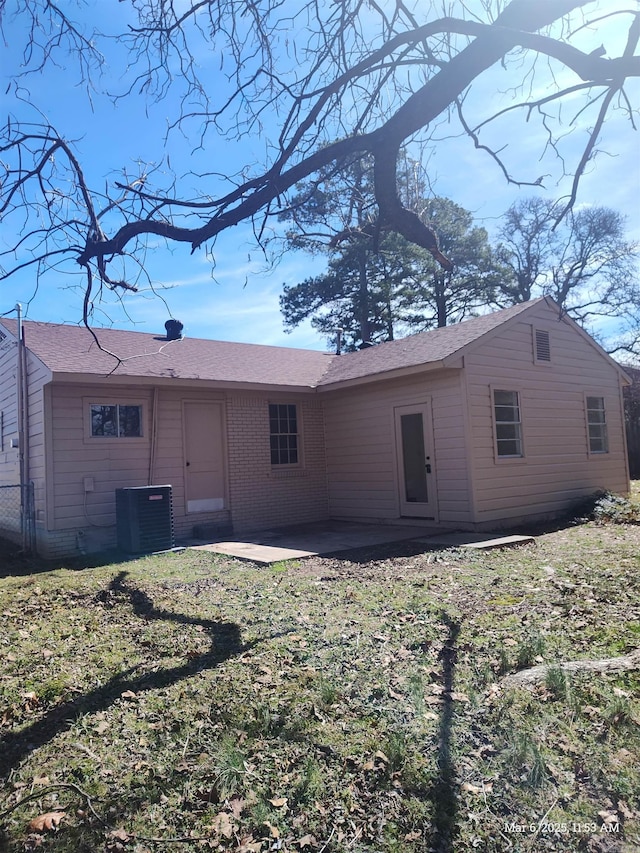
point(361, 447)
point(37, 375)
point(9, 466)
point(257, 494)
point(557, 467)
point(348, 464)
point(87, 519)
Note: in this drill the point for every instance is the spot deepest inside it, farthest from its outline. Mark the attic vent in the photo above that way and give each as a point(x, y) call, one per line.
point(543, 347)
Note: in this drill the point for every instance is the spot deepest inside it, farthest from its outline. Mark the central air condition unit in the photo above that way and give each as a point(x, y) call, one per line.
point(144, 519)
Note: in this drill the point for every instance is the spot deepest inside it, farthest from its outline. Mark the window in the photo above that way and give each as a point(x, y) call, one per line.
point(283, 429)
point(506, 409)
point(597, 425)
point(116, 421)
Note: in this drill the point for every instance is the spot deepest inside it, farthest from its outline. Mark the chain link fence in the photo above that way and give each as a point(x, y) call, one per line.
point(17, 516)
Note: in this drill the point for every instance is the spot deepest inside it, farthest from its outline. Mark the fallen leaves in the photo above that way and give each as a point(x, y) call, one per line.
point(237, 805)
point(476, 790)
point(223, 825)
point(128, 694)
point(120, 835)
point(608, 816)
point(379, 760)
point(46, 822)
point(340, 724)
point(274, 832)
point(249, 845)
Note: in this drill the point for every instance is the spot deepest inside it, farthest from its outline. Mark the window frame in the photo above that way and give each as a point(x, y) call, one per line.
point(502, 458)
point(89, 403)
point(285, 465)
point(588, 423)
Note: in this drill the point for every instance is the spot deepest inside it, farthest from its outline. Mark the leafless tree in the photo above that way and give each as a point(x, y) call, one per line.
point(585, 262)
point(336, 80)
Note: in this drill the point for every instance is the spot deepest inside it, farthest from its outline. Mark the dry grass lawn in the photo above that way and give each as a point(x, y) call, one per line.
point(334, 705)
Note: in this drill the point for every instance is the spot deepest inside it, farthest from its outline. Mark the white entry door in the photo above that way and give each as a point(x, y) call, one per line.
point(416, 475)
point(203, 457)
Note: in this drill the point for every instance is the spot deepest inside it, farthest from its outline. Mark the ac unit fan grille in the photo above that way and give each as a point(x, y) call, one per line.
point(144, 518)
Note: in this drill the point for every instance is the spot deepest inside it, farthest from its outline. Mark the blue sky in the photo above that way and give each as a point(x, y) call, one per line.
point(237, 297)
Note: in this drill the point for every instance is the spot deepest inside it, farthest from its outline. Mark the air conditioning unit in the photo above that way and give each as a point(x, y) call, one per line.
point(144, 519)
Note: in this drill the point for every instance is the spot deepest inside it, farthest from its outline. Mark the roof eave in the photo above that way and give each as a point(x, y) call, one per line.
point(174, 382)
point(625, 379)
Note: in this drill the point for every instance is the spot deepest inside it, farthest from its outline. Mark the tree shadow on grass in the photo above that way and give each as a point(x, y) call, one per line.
point(226, 642)
point(443, 792)
point(14, 562)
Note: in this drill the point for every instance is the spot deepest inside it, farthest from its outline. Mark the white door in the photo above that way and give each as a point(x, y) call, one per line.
point(416, 474)
point(203, 457)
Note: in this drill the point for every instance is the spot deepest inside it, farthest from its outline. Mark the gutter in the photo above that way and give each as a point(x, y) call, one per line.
point(99, 381)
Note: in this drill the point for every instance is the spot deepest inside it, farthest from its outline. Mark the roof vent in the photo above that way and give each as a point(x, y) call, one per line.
point(174, 330)
point(543, 346)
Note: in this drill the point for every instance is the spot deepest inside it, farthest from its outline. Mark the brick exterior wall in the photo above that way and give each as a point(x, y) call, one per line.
point(262, 495)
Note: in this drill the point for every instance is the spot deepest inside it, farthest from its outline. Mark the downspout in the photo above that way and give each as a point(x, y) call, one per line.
point(19, 406)
point(22, 390)
point(25, 408)
point(154, 437)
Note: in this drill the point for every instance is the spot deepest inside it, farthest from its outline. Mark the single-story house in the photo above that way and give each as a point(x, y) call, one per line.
point(503, 418)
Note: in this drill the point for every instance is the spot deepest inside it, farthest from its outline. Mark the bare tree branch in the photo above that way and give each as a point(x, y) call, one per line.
point(617, 83)
point(355, 79)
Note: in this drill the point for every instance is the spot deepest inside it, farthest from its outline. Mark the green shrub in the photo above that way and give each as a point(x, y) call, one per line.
point(608, 508)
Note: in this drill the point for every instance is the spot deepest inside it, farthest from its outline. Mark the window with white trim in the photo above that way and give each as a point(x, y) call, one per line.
point(508, 423)
point(115, 420)
point(283, 433)
point(597, 425)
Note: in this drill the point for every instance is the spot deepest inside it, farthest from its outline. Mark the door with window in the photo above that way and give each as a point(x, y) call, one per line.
point(203, 457)
point(414, 449)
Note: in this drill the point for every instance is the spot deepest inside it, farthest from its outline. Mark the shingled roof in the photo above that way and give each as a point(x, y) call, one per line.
point(421, 349)
point(67, 349)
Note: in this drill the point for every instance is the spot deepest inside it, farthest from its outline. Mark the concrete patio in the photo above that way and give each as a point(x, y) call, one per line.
point(310, 540)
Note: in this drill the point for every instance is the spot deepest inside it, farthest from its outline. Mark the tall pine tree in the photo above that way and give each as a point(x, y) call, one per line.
point(378, 285)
